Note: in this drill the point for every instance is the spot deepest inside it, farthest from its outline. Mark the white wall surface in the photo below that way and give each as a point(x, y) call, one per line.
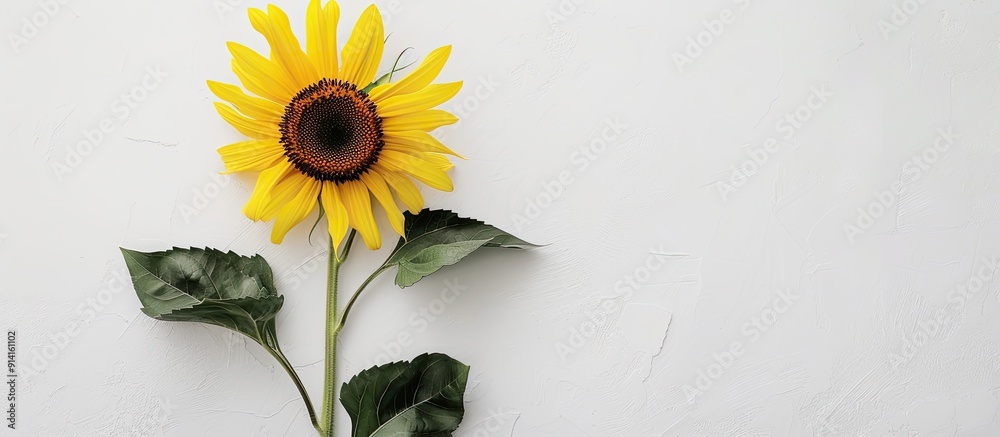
point(763, 314)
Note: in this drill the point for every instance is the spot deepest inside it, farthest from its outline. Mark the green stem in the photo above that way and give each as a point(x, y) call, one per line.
point(350, 304)
point(280, 356)
point(330, 376)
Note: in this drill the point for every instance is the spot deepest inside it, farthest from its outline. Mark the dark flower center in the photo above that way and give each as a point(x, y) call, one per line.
point(331, 131)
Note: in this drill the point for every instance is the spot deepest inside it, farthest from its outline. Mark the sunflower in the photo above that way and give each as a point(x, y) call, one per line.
point(324, 132)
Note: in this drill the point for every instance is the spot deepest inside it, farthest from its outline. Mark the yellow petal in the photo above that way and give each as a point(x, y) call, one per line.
point(358, 203)
point(261, 72)
point(363, 51)
point(321, 36)
point(257, 87)
point(247, 126)
point(285, 48)
point(283, 192)
point(424, 120)
point(336, 214)
point(423, 171)
point(439, 161)
point(426, 98)
point(418, 79)
point(404, 188)
point(418, 141)
point(255, 107)
point(436, 159)
point(296, 210)
point(254, 155)
point(380, 190)
point(262, 191)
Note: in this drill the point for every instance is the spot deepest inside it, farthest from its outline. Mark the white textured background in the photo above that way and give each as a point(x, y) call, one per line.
point(670, 247)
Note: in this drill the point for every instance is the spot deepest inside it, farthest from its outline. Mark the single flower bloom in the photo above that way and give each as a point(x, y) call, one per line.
point(322, 129)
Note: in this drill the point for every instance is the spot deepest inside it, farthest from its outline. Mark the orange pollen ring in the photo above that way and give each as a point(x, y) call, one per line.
point(331, 131)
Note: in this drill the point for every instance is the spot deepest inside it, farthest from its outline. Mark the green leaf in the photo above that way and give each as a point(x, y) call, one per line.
point(423, 397)
point(380, 81)
point(207, 286)
point(439, 238)
point(386, 78)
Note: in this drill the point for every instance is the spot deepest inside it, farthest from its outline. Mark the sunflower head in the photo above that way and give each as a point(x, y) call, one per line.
point(331, 131)
point(317, 137)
